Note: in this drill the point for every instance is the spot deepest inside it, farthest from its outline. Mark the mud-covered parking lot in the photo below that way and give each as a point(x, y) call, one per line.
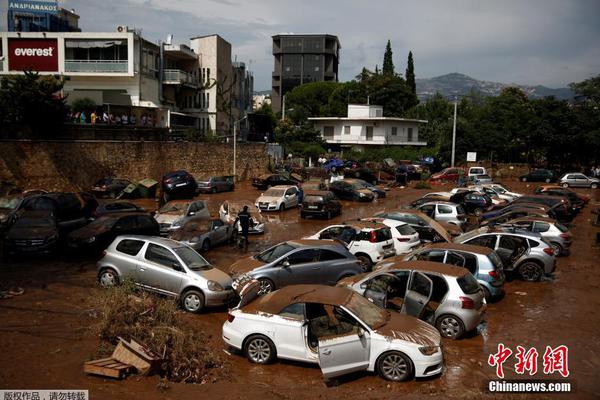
point(45, 336)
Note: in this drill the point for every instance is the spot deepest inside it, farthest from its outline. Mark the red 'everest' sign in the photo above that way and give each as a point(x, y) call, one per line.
point(33, 55)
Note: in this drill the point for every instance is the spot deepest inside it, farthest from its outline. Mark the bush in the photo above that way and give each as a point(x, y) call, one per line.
point(422, 185)
point(154, 321)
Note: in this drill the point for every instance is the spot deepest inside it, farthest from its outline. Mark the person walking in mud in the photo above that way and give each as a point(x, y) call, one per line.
point(243, 219)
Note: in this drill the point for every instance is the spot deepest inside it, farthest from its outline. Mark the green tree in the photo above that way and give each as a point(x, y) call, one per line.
point(388, 62)
point(309, 100)
point(410, 73)
point(83, 104)
point(590, 88)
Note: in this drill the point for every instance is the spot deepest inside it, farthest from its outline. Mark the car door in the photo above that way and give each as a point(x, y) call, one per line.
point(418, 294)
point(160, 270)
point(581, 181)
point(378, 287)
point(333, 232)
point(429, 210)
point(291, 331)
point(299, 267)
point(291, 197)
point(506, 249)
point(346, 351)
point(431, 255)
point(218, 232)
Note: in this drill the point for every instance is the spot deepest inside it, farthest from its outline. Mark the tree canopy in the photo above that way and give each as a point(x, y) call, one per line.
point(388, 62)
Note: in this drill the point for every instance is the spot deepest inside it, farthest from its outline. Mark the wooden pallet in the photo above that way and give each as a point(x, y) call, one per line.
point(107, 367)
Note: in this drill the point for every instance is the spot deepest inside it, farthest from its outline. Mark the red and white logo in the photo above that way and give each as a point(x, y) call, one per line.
point(33, 55)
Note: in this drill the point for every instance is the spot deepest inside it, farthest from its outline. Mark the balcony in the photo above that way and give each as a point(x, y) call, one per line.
point(97, 66)
point(179, 77)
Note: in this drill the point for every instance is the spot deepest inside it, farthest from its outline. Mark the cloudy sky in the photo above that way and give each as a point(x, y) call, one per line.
point(547, 42)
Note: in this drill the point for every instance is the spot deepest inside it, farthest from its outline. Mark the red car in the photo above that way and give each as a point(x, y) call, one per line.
point(448, 174)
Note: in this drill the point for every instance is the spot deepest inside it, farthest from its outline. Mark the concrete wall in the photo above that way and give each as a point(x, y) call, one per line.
point(77, 165)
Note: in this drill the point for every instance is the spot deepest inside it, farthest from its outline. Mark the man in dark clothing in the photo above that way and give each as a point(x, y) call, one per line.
point(244, 219)
point(401, 174)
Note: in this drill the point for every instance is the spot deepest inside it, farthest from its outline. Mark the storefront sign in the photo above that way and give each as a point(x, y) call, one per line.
point(33, 55)
point(35, 7)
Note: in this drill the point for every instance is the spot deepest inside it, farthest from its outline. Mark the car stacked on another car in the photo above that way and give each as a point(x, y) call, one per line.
point(178, 185)
point(320, 204)
point(202, 234)
point(404, 236)
point(278, 198)
point(428, 229)
point(475, 202)
point(560, 206)
point(445, 211)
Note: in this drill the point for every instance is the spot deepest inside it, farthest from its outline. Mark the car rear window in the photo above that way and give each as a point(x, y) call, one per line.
point(405, 230)
point(533, 243)
point(468, 284)
point(382, 235)
point(129, 246)
point(313, 199)
point(476, 171)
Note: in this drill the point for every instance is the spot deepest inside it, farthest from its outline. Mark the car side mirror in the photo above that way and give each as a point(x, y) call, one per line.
point(361, 332)
point(285, 264)
point(177, 267)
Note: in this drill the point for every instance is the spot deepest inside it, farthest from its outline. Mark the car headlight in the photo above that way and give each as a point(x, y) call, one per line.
point(428, 350)
point(214, 286)
point(91, 240)
point(273, 203)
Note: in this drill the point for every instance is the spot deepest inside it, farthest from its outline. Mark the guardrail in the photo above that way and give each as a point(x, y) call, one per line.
point(106, 66)
point(180, 77)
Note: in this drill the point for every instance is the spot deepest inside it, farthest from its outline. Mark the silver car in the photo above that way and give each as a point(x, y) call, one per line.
point(166, 267)
point(203, 234)
point(298, 262)
point(175, 213)
point(446, 296)
point(445, 211)
point(576, 179)
point(278, 198)
point(523, 252)
point(551, 230)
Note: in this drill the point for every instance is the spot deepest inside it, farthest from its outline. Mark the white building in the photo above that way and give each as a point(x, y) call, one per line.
point(365, 126)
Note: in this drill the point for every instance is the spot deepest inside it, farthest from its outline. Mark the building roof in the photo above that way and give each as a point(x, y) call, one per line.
point(317, 119)
point(310, 35)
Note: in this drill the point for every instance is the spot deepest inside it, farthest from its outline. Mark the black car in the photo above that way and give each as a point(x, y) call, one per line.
point(34, 232)
point(264, 182)
point(110, 187)
point(364, 174)
point(428, 199)
point(474, 202)
point(559, 205)
point(513, 213)
point(575, 200)
point(359, 183)
point(351, 189)
point(67, 208)
point(102, 231)
point(178, 185)
point(116, 207)
point(539, 175)
point(214, 184)
point(320, 204)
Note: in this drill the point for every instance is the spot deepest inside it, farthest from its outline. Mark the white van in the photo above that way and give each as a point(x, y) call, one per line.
point(476, 171)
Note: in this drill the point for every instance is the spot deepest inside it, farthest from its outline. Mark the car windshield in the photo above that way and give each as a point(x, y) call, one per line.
point(483, 176)
point(9, 203)
point(193, 260)
point(274, 192)
point(368, 312)
point(500, 189)
point(103, 222)
point(468, 283)
point(313, 199)
point(35, 223)
point(274, 253)
point(476, 170)
point(360, 185)
point(173, 207)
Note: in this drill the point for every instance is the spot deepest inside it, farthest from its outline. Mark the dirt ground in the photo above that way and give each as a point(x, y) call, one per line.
point(45, 335)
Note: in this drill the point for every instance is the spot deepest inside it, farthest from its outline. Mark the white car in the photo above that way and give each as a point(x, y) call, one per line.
point(229, 210)
point(335, 328)
point(406, 239)
point(278, 198)
point(476, 171)
point(370, 242)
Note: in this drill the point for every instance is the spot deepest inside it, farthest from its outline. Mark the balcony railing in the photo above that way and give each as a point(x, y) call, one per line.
point(179, 77)
point(106, 66)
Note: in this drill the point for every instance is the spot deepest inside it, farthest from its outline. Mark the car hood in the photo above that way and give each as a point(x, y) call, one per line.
point(168, 218)
point(268, 199)
point(215, 274)
point(365, 191)
point(30, 233)
point(245, 265)
point(410, 329)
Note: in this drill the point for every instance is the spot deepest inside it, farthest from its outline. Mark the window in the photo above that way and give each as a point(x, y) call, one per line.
point(405, 229)
point(410, 135)
point(126, 224)
point(485, 241)
point(217, 223)
point(146, 223)
point(347, 129)
point(433, 255)
point(420, 284)
point(294, 311)
point(303, 256)
point(207, 74)
point(131, 247)
point(160, 255)
point(328, 131)
point(468, 284)
point(428, 209)
point(394, 130)
point(442, 209)
point(369, 133)
point(330, 255)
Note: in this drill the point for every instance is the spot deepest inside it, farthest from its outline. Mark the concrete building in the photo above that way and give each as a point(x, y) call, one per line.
point(259, 100)
point(301, 59)
point(39, 16)
point(366, 126)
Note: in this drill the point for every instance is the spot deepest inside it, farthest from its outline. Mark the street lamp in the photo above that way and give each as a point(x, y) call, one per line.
point(235, 144)
point(454, 132)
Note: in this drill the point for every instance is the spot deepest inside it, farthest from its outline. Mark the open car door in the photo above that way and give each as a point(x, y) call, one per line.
point(378, 288)
point(418, 294)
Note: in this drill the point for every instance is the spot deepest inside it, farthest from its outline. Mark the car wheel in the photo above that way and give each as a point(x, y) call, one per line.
point(450, 327)
point(365, 262)
point(530, 271)
point(108, 277)
point(192, 301)
point(260, 350)
point(565, 185)
point(394, 366)
point(478, 212)
point(282, 207)
point(594, 186)
point(558, 249)
point(266, 286)
point(205, 245)
point(524, 179)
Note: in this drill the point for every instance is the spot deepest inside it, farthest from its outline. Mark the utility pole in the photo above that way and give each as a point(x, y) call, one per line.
point(283, 109)
point(454, 132)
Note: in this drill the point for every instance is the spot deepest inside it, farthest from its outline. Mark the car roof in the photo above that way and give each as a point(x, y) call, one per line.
point(314, 243)
point(395, 263)
point(282, 187)
point(433, 223)
point(274, 302)
point(154, 239)
point(446, 203)
point(533, 218)
point(384, 221)
point(365, 224)
point(124, 214)
point(460, 247)
point(36, 214)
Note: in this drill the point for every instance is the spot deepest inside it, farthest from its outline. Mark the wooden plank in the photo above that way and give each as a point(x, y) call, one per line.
point(108, 367)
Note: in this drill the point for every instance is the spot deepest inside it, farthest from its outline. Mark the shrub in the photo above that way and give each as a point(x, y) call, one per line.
point(422, 185)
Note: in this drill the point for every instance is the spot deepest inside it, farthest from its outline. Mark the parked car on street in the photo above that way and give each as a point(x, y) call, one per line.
point(321, 204)
point(335, 328)
point(178, 185)
point(98, 234)
point(538, 175)
point(214, 184)
point(405, 237)
point(479, 179)
point(483, 262)
point(266, 181)
point(350, 189)
point(445, 296)
point(473, 171)
point(555, 233)
point(166, 267)
point(298, 262)
point(203, 234)
point(116, 207)
point(229, 210)
point(448, 174)
point(34, 232)
point(278, 198)
point(444, 211)
point(428, 229)
point(370, 242)
point(175, 213)
point(522, 252)
point(110, 187)
point(576, 179)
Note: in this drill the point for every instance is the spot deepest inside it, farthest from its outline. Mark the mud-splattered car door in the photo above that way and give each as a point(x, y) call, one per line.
point(418, 294)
